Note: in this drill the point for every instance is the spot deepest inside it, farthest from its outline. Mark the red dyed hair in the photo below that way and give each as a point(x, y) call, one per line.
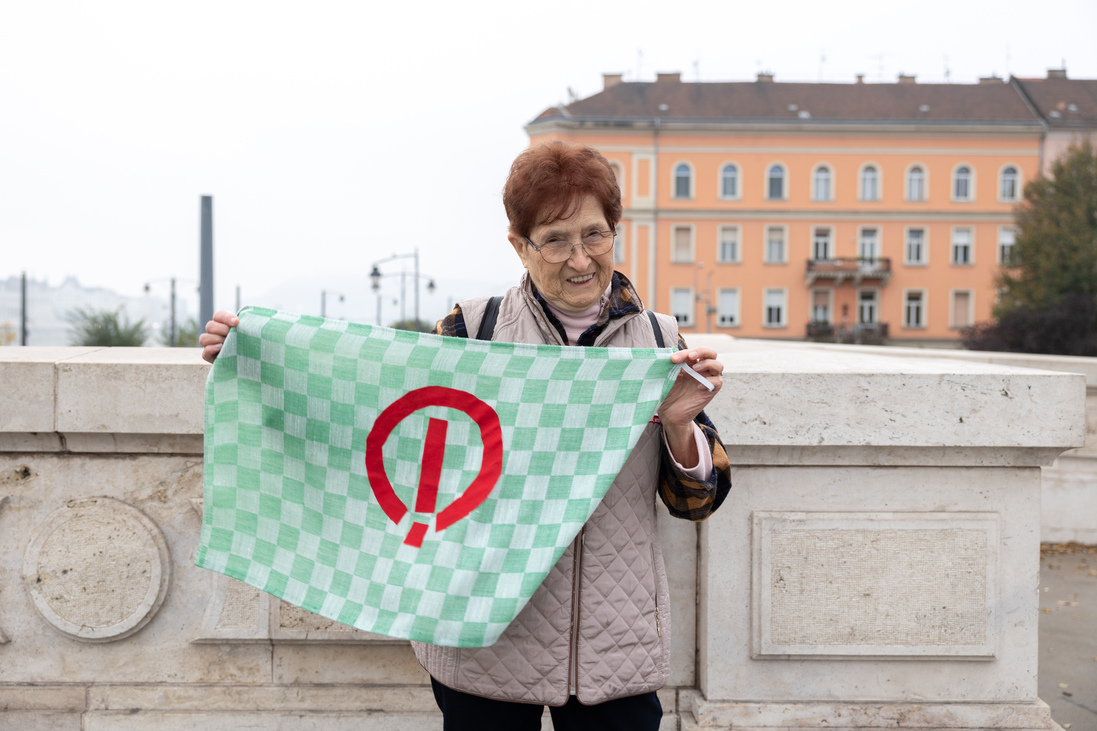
point(549, 181)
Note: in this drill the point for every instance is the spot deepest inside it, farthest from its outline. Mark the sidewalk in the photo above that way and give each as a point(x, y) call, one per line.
point(1068, 634)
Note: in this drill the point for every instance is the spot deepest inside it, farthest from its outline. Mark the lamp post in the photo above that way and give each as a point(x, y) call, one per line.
point(696, 296)
point(174, 340)
point(375, 276)
point(324, 301)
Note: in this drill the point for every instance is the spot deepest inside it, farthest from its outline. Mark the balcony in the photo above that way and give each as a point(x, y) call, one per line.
point(864, 333)
point(853, 269)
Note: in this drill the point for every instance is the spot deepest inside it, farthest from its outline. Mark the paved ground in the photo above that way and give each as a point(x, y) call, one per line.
point(1068, 634)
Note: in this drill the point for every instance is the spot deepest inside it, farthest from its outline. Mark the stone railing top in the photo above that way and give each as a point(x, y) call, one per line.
point(102, 390)
point(776, 394)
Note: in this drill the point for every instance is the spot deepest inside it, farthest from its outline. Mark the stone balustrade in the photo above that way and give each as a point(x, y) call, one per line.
point(875, 566)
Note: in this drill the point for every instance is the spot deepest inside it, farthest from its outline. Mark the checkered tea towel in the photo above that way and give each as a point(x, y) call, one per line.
point(409, 484)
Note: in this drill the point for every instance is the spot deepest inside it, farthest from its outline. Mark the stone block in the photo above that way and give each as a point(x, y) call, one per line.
point(358, 664)
point(42, 698)
point(132, 391)
point(838, 399)
point(874, 584)
point(40, 721)
point(679, 540)
point(727, 669)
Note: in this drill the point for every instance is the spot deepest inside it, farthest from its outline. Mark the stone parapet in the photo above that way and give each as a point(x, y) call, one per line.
point(875, 565)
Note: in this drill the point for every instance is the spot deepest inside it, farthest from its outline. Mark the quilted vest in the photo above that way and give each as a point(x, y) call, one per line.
point(598, 626)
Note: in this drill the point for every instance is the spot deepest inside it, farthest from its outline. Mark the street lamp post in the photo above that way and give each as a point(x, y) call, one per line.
point(375, 276)
point(696, 296)
point(324, 301)
point(174, 331)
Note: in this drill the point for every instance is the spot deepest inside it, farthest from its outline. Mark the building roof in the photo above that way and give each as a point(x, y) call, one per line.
point(991, 102)
point(1062, 102)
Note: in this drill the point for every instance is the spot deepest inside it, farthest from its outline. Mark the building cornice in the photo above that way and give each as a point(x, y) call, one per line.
point(783, 126)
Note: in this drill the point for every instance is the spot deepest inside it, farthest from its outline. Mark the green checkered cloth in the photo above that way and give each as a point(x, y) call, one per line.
point(409, 484)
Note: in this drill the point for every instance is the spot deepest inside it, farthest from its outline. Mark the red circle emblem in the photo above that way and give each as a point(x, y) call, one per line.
point(434, 449)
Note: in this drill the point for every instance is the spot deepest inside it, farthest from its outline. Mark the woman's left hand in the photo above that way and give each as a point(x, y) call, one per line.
point(687, 398)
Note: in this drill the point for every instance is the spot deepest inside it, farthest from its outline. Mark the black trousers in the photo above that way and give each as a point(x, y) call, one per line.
point(465, 712)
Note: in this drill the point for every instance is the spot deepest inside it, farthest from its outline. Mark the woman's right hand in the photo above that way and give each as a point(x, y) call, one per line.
point(217, 330)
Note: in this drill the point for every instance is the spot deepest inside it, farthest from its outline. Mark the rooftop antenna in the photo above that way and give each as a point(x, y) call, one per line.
point(822, 60)
point(879, 57)
point(697, 69)
point(948, 73)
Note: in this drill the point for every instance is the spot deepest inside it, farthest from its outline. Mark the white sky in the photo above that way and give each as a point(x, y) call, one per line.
point(334, 134)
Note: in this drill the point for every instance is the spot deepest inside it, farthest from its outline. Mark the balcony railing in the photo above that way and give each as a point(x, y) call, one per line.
point(854, 269)
point(864, 333)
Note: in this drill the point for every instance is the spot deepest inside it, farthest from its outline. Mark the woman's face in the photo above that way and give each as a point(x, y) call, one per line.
point(576, 284)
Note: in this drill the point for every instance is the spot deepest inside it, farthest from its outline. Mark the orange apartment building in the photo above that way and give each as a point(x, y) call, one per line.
point(793, 210)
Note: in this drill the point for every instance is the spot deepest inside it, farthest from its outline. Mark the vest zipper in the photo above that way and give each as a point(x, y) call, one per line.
point(577, 588)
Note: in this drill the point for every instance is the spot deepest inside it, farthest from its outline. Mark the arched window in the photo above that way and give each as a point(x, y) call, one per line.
point(682, 181)
point(820, 184)
point(870, 183)
point(775, 183)
point(729, 181)
point(961, 183)
point(1009, 187)
point(916, 183)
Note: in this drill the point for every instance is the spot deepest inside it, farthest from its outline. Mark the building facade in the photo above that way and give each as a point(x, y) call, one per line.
point(790, 210)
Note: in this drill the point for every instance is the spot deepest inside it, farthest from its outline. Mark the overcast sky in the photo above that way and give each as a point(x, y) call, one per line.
point(334, 134)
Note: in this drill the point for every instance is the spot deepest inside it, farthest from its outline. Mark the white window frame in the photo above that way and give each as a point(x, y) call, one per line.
point(1001, 230)
point(924, 261)
point(970, 247)
point(619, 171)
point(952, 307)
point(861, 194)
point(830, 242)
point(782, 292)
point(879, 242)
point(784, 181)
point(830, 304)
point(923, 294)
point(738, 181)
point(971, 183)
point(925, 183)
point(620, 254)
point(1017, 187)
point(784, 243)
point(738, 259)
point(737, 315)
point(674, 243)
point(674, 180)
point(830, 182)
point(688, 321)
point(875, 305)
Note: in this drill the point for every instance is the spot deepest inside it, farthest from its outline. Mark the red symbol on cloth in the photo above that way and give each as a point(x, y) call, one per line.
point(434, 451)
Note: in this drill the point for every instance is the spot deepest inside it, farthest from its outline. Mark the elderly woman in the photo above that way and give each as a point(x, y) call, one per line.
point(594, 641)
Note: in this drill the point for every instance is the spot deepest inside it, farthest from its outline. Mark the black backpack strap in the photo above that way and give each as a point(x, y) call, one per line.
point(658, 330)
point(487, 322)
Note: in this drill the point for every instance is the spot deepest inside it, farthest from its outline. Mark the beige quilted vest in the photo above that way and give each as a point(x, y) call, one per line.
point(599, 625)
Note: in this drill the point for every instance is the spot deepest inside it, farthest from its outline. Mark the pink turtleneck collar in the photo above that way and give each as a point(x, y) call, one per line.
point(577, 323)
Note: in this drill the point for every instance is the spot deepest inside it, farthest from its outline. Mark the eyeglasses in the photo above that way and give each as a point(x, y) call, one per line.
point(557, 250)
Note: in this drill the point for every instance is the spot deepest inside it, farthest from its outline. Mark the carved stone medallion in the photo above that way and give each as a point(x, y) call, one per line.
point(97, 569)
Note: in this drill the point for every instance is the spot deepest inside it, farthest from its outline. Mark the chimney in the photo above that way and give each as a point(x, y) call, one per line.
point(673, 78)
point(906, 79)
point(765, 78)
point(860, 78)
point(992, 79)
point(610, 80)
point(1057, 73)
